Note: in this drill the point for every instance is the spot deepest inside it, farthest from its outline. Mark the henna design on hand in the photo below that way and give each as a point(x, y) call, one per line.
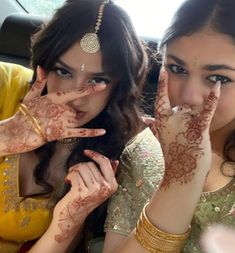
point(183, 135)
point(74, 214)
point(89, 189)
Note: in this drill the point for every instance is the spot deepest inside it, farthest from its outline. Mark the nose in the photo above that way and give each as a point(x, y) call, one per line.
point(192, 92)
point(79, 82)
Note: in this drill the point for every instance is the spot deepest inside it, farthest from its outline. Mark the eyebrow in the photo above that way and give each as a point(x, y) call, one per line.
point(207, 67)
point(218, 67)
point(74, 70)
point(176, 59)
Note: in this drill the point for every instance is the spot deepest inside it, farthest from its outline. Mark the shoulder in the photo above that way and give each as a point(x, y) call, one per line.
point(14, 84)
point(141, 170)
point(141, 164)
point(14, 72)
point(143, 146)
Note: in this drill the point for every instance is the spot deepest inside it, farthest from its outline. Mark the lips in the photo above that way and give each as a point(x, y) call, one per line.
point(80, 114)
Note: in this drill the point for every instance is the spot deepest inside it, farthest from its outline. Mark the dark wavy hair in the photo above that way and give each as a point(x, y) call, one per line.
point(191, 17)
point(123, 54)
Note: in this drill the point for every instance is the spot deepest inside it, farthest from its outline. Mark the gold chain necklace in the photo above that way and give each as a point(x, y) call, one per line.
point(68, 141)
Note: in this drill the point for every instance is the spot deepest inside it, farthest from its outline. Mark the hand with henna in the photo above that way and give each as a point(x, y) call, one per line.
point(50, 114)
point(89, 188)
point(183, 133)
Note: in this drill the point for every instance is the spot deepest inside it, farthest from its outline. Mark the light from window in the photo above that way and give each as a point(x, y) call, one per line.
point(150, 17)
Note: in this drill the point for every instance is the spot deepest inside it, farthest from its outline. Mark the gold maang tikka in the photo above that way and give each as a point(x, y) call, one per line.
point(90, 41)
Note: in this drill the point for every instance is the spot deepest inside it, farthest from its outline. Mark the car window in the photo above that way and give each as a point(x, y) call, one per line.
point(150, 17)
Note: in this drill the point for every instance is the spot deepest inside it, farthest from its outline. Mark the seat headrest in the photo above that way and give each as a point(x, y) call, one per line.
point(15, 34)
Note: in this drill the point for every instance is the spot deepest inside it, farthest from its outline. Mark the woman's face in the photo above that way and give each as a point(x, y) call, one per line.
point(76, 69)
point(195, 63)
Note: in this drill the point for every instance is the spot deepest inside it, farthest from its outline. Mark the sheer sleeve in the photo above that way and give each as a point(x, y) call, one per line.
point(14, 84)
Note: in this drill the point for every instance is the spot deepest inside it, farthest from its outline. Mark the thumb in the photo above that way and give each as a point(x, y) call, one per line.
point(151, 123)
point(38, 85)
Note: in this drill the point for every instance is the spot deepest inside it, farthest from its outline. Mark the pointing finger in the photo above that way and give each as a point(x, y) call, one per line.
point(38, 85)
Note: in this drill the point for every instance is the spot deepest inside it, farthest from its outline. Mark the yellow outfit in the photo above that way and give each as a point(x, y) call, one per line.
point(21, 219)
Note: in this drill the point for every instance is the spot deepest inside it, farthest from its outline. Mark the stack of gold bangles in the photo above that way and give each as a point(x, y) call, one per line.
point(36, 127)
point(156, 241)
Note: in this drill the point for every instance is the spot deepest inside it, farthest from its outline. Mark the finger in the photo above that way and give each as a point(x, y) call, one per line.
point(210, 105)
point(72, 94)
point(162, 103)
point(74, 178)
point(38, 85)
point(104, 163)
point(86, 175)
point(114, 164)
point(95, 171)
point(83, 132)
point(151, 123)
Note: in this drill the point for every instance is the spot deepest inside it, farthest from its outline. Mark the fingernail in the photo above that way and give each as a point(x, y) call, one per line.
point(87, 151)
point(67, 181)
point(39, 74)
point(114, 164)
point(101, 131)
point(90, 153)
point(217, 86)
point(163, 68)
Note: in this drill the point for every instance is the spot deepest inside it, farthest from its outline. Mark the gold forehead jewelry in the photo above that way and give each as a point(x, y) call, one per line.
point(68, 141)
point(90, 41)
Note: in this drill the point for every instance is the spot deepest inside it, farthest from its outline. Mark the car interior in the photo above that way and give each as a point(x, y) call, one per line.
point(17, 26)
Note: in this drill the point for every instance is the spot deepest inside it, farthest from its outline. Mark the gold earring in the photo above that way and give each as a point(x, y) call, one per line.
point(90, 41)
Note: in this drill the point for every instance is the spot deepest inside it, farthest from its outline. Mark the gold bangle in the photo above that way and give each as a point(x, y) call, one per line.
point(36, 127)
point(155, 240)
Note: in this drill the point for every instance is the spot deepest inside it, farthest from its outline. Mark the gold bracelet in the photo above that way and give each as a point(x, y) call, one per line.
point(155, 240)
point(36, 127)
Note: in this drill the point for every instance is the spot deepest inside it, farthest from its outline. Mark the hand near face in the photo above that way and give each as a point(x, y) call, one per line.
point(183, 133)
point(89, 188)
point(55, 118)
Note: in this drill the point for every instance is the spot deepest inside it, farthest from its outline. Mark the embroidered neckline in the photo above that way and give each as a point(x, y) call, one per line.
point(224, 190)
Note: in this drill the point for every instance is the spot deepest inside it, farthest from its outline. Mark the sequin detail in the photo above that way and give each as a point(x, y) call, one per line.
point(141, 170)
point(212, 208)
point(12, 201)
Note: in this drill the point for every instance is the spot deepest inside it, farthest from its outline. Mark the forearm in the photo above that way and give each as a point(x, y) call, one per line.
point(170, 210)
point(54, 240)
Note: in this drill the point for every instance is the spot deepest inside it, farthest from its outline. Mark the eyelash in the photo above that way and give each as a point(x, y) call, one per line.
point(178, 70)
point(223, 79)
point(65, 74)
point(99, 80)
